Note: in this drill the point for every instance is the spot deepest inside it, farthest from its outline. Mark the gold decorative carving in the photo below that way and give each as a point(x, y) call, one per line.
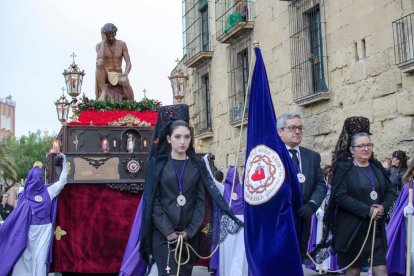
point(207, 230)
point(59, 233)
point(68, 167)
point(75, 118)
point(129, 120)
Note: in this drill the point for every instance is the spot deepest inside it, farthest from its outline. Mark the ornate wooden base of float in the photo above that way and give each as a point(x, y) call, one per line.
point(107, 154)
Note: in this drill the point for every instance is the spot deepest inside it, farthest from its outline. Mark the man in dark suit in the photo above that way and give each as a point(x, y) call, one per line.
point(308, 166)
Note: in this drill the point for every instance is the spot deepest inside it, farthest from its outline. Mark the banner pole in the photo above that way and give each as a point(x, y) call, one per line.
point(409, 229)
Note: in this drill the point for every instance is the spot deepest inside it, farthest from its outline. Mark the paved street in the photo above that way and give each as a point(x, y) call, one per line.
point(202, 271)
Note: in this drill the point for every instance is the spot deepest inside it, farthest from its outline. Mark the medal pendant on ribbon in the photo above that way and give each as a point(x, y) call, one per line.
point(373, 195)
point(301, 177)
point(181, 200)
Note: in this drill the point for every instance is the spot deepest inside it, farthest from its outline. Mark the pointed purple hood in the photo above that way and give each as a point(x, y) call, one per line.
point(35, 191)
point(238, 201)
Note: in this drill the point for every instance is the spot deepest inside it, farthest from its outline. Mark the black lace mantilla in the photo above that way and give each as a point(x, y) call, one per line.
point(227, 226)
point(351, 126)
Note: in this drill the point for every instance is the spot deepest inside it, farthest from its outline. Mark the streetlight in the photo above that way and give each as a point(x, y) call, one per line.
point(178, 83)
point(73, 79)
point(62, 109)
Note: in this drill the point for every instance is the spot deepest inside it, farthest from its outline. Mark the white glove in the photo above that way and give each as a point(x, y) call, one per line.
point(64, 174)
point(408, 210)
point(319, 214)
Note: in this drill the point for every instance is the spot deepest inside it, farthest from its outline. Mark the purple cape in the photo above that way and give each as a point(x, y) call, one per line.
point(132, 264)
point(312, 243)
point(396, 236)
point(15, 229)
point(13, 236)
point(237, 206)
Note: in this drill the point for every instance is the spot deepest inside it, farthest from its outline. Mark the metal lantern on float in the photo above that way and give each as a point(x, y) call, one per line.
point(62, 109)
point(73, 79)
point(178, 84)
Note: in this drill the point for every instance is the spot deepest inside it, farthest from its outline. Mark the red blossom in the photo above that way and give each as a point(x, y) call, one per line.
point(102, 118)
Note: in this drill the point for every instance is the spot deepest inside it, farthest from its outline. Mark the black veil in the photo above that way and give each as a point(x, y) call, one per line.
point(221, 219)
point(352, 125)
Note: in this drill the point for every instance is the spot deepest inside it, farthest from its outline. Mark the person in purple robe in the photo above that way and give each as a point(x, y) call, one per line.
point(230, 258)
point(330, 262)
point(26, 235)
point(397, 229)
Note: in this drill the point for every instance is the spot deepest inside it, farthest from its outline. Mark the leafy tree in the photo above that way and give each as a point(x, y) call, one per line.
point(26, 150)
point(8, 169)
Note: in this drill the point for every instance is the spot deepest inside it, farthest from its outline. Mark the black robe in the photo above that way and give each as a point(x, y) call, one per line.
point(5, 210)
point(169, 217)
point(152, 181)
point(352, 196)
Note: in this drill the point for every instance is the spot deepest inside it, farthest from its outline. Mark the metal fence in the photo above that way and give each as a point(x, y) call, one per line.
point(196, 33)
point(308, 48)
point(229, 13)
point(403, 39)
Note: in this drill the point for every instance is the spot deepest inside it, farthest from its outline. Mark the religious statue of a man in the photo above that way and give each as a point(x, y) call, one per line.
point(130, 143)
point(111, 81)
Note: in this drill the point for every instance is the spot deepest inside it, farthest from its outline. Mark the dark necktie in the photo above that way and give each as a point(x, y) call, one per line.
point(295, 159)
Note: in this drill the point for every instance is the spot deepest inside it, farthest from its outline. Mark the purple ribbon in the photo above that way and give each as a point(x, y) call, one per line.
point(369, 176)
point(179, 178)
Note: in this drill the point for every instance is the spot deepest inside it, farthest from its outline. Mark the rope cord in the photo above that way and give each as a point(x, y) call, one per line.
point(360, 251)
point(179, 248)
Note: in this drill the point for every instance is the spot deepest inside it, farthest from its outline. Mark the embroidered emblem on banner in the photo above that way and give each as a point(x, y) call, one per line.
point(264, 175)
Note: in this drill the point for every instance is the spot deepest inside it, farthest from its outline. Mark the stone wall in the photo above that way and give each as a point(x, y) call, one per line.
point(363, 79)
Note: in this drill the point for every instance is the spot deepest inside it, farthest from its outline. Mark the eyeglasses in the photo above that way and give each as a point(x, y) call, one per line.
point(293, 128)
point(363, 146)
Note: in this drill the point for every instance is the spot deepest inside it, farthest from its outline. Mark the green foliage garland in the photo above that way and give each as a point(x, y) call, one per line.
point(87, 104)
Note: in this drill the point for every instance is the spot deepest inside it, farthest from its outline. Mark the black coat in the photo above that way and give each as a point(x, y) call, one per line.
point(354, 205)
point(5, 210)
point(314, 187)
point(167, 216)
point(152, 180)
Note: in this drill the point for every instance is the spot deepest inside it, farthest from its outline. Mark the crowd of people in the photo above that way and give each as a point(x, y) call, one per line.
point(353, 210)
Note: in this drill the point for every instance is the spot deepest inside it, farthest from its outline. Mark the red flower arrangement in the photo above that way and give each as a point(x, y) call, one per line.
point(103, 118)
point(99, 113)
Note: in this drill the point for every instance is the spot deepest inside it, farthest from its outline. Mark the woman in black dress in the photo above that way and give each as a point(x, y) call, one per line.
point(179, 194)
point(178, 202)
point(360, 186)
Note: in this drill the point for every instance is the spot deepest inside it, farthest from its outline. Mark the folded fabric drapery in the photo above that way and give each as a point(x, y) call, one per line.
point(97, 221)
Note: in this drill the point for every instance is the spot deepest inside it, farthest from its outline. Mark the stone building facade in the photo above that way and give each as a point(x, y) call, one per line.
point(326, 60)
point(7, 117)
